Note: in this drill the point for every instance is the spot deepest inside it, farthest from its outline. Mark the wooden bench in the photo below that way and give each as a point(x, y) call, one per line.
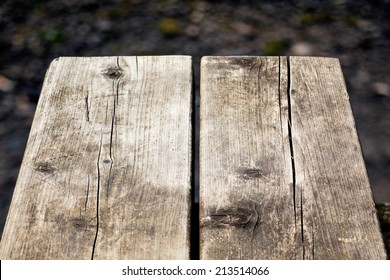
point(108, 165)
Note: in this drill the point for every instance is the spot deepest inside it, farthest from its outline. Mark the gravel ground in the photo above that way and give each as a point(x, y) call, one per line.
point(35, 32)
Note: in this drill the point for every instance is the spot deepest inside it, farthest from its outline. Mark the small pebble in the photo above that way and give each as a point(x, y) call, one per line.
point(243, 28)
point(192, 30)
point(301, 48)
point(381, 88)
point(6, 85)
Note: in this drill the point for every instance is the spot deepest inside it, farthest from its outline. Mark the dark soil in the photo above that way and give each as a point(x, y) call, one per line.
point(33, 33)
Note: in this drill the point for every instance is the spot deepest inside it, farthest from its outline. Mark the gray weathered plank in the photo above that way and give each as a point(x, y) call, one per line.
point(245, 171)
point(333, 194)
point(281, 171)
point(106, 172)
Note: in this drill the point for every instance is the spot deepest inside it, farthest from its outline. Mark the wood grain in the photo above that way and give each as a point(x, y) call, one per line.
point(106, 171)
point(245, 168)
point(333, 194)
point(281, 170)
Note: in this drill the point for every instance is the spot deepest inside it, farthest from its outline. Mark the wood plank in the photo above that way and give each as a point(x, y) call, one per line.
point(246, 209)
point(106, 171)
point(333, 194)
point(281, 171)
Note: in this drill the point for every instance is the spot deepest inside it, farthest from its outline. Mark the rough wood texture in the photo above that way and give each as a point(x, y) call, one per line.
point(106, 172)
point(281, 170)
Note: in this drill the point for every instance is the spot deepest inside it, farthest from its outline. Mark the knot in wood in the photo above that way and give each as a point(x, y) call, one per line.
point(237, 217)
point(113, 72)
point(45, 167)
point(250, 173)
point(79, 223)
point(244, 61)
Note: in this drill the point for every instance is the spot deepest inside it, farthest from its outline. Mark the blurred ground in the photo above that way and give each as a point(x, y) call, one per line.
point(35, 32)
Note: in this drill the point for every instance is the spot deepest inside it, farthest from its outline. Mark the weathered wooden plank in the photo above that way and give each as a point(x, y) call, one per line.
point(281, 171)
point(106, 172)
point(333, 194)
point(245, 168)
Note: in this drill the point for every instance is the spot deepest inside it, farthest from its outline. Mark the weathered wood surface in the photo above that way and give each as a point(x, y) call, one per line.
point(281, 170)
point(106, 172)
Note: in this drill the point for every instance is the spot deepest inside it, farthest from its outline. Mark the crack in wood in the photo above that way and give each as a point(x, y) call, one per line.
point(293, 167)
point(259, 74)
point(87, 108)
point(289, 125)
point(98, 196)
point(106, 117)
point(256, 221)
point(115, 89)
point(87, 195)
